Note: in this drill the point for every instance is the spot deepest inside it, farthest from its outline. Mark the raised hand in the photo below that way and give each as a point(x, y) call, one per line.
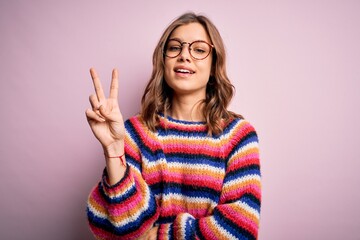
point(105, 119)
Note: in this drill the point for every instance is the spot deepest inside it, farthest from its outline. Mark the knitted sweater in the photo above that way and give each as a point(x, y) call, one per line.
point(190, 184)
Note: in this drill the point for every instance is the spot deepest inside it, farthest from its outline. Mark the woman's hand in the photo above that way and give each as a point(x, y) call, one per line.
point(105, 118)
point(150, 235)
point(107, 124)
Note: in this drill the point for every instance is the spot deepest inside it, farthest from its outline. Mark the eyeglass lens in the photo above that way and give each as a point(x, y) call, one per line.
point(198, 49)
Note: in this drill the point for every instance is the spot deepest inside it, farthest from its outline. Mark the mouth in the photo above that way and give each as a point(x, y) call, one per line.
point(183, 70)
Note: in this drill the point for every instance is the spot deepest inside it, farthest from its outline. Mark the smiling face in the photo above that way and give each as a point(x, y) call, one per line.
point(184, 74)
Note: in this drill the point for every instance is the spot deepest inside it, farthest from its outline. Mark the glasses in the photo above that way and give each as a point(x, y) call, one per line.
point(198, 50)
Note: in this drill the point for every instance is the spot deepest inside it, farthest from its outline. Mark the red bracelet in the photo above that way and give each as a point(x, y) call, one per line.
point(120, 157)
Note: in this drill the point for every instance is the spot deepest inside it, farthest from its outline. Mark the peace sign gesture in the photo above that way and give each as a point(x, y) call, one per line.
point(105, 118)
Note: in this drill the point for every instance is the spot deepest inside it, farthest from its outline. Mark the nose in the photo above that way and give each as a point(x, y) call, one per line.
point(185, 53)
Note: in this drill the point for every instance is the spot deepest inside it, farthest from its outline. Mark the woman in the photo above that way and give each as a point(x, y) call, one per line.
point(185, 167)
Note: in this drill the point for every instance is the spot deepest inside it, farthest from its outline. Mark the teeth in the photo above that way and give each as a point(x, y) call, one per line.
point(183, 71)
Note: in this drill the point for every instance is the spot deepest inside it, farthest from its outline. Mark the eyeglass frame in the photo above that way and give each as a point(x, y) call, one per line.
point(189, 48)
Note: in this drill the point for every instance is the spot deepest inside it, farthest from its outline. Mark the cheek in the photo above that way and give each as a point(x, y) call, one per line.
point(206, 68)
point(168, 65)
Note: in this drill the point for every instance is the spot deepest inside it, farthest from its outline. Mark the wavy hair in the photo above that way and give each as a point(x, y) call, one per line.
point(219, 91)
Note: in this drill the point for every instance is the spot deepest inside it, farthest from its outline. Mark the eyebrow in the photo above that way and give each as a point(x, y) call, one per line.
point(181, 41)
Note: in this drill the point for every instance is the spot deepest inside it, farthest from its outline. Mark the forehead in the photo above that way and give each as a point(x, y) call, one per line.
point(190, 32)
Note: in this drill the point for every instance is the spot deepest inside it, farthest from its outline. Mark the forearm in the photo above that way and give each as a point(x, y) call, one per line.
point(126, 210)
point(237, 220)
point(115, 162)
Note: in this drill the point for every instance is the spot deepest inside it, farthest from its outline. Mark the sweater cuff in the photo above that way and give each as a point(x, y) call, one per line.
point(119, 187)
point(181, 228)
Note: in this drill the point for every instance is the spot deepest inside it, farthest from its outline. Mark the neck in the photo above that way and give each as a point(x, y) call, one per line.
point(187, 108)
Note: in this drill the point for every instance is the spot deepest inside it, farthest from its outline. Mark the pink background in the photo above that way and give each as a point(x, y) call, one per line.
point(296, 67)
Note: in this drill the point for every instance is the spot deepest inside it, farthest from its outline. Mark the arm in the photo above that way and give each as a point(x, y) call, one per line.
point(107, 124)
point(121, 205)
point(238, 212)
point(126, 210)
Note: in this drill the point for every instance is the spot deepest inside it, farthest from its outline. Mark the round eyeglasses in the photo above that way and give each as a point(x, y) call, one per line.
point(198, 50)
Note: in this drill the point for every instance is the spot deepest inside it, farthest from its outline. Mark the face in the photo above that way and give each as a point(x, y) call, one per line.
point(184, 74)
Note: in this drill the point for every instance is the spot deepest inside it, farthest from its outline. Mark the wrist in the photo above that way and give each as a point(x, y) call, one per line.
point(115, 149)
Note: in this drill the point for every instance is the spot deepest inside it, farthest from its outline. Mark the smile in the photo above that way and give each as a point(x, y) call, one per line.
point(183, 70)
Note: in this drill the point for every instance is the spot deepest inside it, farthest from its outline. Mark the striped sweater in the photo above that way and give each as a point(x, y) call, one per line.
point(190, 184)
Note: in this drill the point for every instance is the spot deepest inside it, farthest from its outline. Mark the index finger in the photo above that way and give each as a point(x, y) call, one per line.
point(114, 87)
point(97, 85)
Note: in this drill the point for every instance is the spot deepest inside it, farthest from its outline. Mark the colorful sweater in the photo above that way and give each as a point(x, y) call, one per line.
point(190, 184)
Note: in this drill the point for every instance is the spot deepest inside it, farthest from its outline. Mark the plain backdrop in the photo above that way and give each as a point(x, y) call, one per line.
point(295, 66)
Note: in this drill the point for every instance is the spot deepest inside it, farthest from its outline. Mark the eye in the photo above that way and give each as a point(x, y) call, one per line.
point(199, 50)
point(174, 48)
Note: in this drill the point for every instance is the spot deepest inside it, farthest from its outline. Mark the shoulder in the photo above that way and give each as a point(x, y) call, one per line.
point(135, 120)
point(239, 124)
point(239, 129)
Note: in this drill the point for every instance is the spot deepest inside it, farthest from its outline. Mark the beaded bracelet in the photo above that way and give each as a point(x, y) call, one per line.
point(120, 157)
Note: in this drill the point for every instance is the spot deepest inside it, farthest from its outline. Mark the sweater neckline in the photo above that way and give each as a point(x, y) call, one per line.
point(175, 121)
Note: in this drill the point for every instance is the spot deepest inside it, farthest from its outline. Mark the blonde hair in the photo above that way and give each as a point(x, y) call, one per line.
point(219, 91)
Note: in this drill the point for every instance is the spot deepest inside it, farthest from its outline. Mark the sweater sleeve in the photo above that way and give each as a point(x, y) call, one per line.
point(238, 212)
point(125, 210)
